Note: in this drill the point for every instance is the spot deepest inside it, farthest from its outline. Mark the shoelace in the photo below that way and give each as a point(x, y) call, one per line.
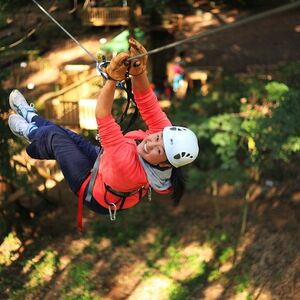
point(20, 129)
point(25, 107)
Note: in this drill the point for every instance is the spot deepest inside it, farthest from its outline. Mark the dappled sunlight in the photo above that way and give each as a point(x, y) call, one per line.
point(104, 244)
point(213, 292)
point(191, 261)
point(246, 241)
point(130, 275)
point(49, 68)
point(155, 287)
point(43, 174)
point(64, 261)
point(9, 249)
point(42, 267)
point(149, 237)
point(76, 246)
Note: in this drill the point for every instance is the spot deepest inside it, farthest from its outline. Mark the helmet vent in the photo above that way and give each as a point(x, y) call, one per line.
point(182, 154)
point(177, 128)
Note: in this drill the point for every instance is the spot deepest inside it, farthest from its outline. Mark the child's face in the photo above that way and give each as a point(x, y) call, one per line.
point(152, 149)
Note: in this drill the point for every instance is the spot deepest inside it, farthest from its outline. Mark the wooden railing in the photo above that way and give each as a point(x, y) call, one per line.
point(62, 107)
point(106, 16)
point(63, 112)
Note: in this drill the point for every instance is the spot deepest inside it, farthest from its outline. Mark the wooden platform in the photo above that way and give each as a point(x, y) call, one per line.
point(105, 16)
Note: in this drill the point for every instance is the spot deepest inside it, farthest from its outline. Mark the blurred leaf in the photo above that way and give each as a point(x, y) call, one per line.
point(276, 90)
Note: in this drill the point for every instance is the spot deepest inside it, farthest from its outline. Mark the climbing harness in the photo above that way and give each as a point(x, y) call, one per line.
point(130, 100)
point(112, 207)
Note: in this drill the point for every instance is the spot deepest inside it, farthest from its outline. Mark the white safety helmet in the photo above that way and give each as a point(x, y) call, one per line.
point(181, 145)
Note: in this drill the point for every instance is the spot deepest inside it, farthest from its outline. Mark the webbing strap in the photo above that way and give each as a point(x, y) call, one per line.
point(94, 172)
point(130, 99)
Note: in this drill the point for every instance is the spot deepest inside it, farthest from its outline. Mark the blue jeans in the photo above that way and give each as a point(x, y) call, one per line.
point(74, 154)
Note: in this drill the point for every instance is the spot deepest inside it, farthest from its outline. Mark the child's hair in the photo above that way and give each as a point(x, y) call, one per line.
point(178, 185)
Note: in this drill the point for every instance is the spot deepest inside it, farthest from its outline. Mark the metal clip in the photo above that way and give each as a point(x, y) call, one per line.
point(112, 214)
point(100, 65)
point(149, 193)
point(97, 137)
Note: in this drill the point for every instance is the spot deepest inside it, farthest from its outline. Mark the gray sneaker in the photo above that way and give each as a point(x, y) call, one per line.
point(20, 127)
point(20, 106)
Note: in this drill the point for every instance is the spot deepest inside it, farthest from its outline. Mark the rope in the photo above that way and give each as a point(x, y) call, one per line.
point(66, 32)
point(220, 29)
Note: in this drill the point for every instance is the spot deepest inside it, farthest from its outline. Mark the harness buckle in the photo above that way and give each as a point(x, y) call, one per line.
point(112, 214)
point(100, 70)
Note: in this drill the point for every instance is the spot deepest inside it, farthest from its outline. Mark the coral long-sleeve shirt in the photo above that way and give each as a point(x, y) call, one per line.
point(120, 166)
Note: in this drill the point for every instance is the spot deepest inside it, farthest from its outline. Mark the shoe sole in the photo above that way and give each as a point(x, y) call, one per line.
point(11, 100)
point(10, 120)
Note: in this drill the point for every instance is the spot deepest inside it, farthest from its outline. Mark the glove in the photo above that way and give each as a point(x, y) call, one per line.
point(138, 66)
point(118, 67)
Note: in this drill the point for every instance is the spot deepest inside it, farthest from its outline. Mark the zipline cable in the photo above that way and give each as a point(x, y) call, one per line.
point(66, 32)
point(224, 27)
point(196, 36)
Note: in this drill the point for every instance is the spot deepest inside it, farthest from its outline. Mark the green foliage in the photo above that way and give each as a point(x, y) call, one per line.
point(43, 269)
point(174, 263)
point(242, 282)
point(290, 74)
point(156, 5)
point(276, 136)
point(276, 90)
point(40, 273)
point(247, 128)
point(179, 292)
point(79, 285)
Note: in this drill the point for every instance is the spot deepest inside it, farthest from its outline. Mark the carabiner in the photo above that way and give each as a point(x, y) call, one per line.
point(100, 65)
point(112, 215)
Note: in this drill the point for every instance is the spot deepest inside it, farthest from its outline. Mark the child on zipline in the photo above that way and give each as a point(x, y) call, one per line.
point(118, 173)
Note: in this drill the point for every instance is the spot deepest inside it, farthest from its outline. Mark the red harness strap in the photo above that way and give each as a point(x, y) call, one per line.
point(80, 205)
